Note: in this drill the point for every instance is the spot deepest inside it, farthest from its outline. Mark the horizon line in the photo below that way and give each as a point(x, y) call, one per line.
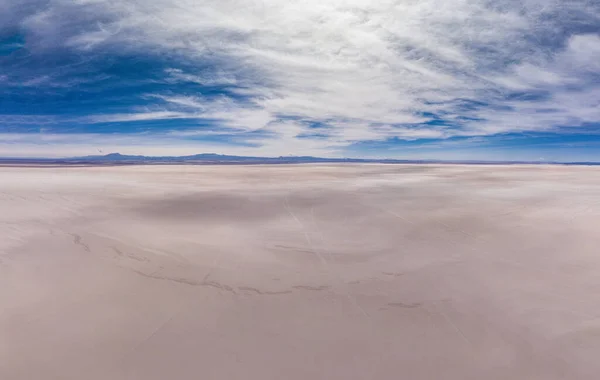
point(230, 159)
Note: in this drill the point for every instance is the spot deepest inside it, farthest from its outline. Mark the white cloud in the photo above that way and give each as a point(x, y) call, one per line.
point(584, 52)
point(370, 70)
point(138, 116)
point(226, 110)
point(569, 92)
point(218, 78)
point(68, 145)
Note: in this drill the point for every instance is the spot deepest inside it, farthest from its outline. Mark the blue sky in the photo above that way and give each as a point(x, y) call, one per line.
point(463, 79)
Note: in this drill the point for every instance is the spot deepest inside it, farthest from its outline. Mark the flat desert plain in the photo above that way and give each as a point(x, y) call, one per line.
point(300, 272)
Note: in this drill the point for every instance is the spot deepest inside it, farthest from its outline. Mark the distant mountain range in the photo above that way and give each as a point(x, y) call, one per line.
point(213, 158)
point(204, 157)
point(221, 158)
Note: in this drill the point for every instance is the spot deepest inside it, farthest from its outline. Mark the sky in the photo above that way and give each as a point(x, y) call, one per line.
point(412, 79)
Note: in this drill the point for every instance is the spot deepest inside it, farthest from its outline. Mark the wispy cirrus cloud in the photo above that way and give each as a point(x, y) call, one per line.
point(321, 76)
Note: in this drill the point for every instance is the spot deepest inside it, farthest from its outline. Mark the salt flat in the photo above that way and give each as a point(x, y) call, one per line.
point(300, 272)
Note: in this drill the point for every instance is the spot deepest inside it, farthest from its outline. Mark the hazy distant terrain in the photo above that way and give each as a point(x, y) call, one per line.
point(317, 271)
point(214, 159)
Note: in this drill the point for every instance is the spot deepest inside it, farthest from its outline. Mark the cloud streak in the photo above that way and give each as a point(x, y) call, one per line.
point(318, 76)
